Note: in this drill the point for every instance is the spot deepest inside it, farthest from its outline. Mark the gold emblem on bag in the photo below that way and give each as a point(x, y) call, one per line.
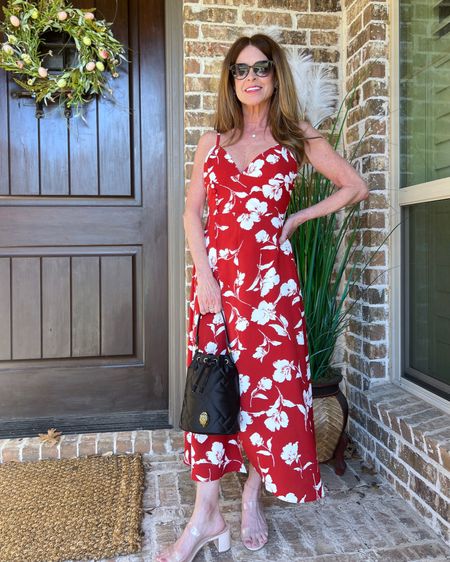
point(203, 419)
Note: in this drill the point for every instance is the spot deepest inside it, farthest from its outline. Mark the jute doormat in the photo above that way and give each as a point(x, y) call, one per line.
point(70, 509)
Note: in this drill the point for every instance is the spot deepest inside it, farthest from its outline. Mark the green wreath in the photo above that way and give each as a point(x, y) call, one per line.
point(97, 51)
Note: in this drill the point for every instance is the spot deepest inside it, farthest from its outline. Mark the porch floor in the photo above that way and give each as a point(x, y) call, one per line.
point(360, 519)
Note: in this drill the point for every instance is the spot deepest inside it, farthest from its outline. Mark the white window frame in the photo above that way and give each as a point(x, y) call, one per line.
point(435, 190)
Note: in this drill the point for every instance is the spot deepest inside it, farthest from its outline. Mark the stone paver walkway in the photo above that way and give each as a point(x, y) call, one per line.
point(361, 519)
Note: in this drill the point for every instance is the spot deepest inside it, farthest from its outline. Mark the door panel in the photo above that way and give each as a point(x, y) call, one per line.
point(85, 306)
point(53, 141)
point(55, 323)
point(83, 240)
point(5, 309)
point(116, 319)
point(84, 180)
point(23, 149)
point(25, 308)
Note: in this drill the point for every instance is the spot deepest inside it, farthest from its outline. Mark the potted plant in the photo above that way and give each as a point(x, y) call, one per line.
point(325, 250)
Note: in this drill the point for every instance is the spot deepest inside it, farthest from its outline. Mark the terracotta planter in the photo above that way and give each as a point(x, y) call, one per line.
point(330, 419)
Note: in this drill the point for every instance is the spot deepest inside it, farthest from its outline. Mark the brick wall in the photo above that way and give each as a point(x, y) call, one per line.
point(366, 51)
point(412, 452)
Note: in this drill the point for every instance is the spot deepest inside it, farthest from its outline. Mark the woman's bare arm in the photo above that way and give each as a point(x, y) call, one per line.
point(351, 187)
point(208, 290)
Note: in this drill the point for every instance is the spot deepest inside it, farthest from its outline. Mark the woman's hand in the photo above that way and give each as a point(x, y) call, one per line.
point(291, 224)
point(208, 294)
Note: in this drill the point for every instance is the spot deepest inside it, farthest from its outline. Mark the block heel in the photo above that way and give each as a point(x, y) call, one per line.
point(223, 541)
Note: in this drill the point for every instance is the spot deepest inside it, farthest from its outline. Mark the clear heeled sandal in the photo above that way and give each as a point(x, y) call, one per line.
point(246, 530)
point(222, 541)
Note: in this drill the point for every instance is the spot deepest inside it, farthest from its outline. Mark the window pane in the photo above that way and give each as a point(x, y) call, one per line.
point(424, 91)
point(427, 320)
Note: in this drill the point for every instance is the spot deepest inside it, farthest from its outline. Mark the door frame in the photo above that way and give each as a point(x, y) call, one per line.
point(175, 197)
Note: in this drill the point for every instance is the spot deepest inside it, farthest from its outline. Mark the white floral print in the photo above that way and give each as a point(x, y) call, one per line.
point(292, 498)
point(283, 370)
point(211, 347)
point(290, 453)
point(289, 288)
point(256, 439)
point(264, 313)
point(270, 279)
point(254, 168)
point(244, 420)
point(276, 417)
point(272, 158)
point(286, 247)
point(241, 323)
point(262, 236)
point(244, 383)
point(269, 484)
point(217, 453)
point(256, 208)
point(265, 383)
point(274, 188)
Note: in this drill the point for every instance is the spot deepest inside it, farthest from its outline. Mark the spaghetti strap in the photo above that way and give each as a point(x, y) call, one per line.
point(217, 139)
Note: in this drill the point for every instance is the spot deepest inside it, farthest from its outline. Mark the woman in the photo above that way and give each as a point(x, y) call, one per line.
point(244, 265)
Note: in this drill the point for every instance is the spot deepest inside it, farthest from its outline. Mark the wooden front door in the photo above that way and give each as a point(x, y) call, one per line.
point(83, 246)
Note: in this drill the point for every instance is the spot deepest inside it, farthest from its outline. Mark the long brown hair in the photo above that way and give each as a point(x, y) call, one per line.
point(284, 115)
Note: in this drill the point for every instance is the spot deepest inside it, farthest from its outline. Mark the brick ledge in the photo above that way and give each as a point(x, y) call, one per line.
point(408, 441)
point(158, 444)
point(417, 421)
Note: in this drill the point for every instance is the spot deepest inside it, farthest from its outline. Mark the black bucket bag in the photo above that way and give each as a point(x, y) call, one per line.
point(211, 395)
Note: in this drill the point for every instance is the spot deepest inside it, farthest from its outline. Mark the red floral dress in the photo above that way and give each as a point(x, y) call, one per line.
point(263, 306)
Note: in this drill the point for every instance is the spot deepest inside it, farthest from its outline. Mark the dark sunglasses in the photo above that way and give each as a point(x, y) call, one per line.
point(261, 68)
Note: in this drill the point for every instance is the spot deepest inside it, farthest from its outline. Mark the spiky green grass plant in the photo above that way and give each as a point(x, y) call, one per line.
point(328, 255)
